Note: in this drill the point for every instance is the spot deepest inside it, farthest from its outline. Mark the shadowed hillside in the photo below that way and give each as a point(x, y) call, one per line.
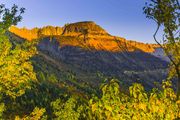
point(129, 67)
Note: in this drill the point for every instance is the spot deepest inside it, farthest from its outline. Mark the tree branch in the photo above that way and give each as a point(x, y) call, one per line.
point(154, 36)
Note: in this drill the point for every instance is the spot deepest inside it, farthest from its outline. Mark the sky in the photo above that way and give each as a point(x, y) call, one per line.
point(122, 18)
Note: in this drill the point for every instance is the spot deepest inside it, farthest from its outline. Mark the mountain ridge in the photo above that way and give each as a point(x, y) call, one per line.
point(86, 34)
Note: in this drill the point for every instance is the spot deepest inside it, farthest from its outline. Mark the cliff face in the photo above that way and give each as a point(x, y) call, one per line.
point(86, 34)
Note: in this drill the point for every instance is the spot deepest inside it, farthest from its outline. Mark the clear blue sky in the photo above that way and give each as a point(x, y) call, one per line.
point(123, 18)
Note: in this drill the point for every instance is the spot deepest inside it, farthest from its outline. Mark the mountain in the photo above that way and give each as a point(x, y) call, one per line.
point(73, 34)
point(86, 50)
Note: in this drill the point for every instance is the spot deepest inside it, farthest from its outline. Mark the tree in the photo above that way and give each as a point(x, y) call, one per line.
point(16, 71)
point(9, 17)
point(166, 13)
point(68, 110)
point(84, 32)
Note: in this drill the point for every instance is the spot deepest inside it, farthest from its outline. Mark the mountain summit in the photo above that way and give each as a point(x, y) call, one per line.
point(79, 27)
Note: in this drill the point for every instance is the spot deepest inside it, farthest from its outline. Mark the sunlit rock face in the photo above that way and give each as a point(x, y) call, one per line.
point(28, 34)
point(36, 33)
point(85, 34)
